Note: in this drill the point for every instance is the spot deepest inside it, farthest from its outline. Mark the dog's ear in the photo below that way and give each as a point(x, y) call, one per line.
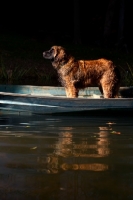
point(60, 54)
point(53, 51)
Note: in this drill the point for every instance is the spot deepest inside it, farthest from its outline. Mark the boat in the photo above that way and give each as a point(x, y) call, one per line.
point(29, 99)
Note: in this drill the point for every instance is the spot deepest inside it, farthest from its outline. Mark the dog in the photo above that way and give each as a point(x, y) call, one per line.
point(79, 74)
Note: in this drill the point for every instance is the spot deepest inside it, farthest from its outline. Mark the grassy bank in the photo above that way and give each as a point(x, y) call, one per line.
point(21, 60)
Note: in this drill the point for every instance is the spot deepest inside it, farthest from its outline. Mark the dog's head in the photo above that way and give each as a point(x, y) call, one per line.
point(57, 55)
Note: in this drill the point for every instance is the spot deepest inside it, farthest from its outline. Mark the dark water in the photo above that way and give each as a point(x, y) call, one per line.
point(67, 158)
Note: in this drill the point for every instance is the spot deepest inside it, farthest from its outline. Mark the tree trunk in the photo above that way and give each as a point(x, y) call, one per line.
point(77, 39)
point(120, 40)
point(108, 21)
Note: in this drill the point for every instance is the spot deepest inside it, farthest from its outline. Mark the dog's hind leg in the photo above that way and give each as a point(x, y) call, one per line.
point(116, 91)
point(109, 91)
point(108, 86)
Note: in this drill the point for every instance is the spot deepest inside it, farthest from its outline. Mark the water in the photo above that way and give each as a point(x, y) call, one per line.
point(60, 157)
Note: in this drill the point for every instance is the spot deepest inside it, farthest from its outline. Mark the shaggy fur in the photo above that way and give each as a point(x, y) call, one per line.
point(78, 74)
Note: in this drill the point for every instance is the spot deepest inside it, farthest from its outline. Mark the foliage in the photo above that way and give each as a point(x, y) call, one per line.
point(12, 74)
point(21, 60)
point(127, 75)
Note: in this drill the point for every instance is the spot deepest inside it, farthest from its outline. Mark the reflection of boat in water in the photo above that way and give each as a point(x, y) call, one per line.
point(60, 142)
point(82, 156)
point(65, 157)
point(51, 164)
point(90, 167)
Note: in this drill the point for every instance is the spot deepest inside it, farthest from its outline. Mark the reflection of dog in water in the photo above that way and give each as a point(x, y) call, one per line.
point(78, 74)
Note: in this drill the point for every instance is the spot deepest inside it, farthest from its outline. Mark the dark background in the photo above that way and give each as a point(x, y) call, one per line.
point(54, 21)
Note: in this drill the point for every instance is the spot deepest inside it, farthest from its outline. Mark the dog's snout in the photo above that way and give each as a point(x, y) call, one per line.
point(44, 54)
point(47, 55)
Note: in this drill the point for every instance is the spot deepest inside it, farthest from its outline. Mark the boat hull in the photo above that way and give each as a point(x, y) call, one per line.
point(52, 100)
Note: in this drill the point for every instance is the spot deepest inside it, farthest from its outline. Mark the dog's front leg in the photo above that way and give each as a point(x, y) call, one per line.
point(71, 92)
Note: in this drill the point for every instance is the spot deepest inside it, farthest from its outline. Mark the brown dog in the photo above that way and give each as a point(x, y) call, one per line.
point(78, 74)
